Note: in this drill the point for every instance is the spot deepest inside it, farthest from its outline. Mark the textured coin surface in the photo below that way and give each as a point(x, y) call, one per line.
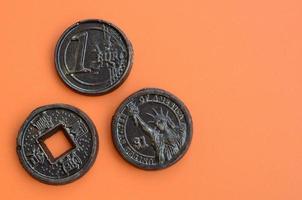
point(93, 57)
point(152, 129)
point(37, 159)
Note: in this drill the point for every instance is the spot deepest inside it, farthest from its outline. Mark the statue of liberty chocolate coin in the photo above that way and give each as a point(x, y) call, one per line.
point(152, 129)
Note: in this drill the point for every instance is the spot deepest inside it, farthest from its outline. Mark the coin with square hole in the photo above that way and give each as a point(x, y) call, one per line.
point(93, 57)
point(57, 144)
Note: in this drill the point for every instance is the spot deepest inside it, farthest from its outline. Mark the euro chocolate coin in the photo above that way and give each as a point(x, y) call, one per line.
point(93, 57)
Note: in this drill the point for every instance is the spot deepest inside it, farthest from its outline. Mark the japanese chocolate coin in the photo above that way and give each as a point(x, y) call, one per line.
point(93, 57)
point(36, 157)
point(152, 129)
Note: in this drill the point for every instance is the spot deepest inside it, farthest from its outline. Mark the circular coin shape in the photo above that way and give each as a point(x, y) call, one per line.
point(37, 158)
point(93, 57)
point(152, 129)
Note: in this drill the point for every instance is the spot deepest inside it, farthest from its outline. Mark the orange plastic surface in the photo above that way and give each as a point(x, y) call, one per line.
point(236, 64)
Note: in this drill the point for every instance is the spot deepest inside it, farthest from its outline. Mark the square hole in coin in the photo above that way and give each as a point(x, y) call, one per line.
point(56, 143)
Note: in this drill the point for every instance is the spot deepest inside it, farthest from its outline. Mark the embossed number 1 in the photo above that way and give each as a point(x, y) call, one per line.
point(140, 142)
point(80, 52)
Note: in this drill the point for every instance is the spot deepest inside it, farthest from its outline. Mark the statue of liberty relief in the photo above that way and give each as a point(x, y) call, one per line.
point(167, 138)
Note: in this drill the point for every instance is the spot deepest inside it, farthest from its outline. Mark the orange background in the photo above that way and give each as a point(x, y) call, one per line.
point(236, 64)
